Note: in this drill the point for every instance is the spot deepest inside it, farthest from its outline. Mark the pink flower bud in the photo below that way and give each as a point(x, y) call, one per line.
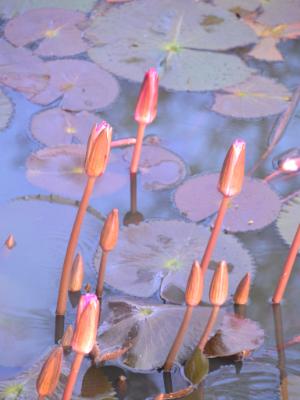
point(146, 108)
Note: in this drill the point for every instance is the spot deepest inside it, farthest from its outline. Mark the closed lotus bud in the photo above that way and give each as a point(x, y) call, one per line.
point(98, 149)
point(194, 287)
point(10, 241)
point(233, 170)
point(84, 337)
point(110, 231)
point(219, 285)
point(146, 108)
point(242, 291)
point(49, 376)
point(77, 273)
point(66, 340)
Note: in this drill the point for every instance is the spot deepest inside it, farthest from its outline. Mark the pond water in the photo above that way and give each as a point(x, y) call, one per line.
point(38, 206)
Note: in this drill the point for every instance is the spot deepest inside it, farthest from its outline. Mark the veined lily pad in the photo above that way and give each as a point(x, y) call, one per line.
point(175, 36)
point(41, 232)
point(288, 220)
point(81, 84)
point(254, 208)
point(6, 109)
point(149, 331)
point(64, 128)
point(158, 255)
point(55, 27)
point(257, 97)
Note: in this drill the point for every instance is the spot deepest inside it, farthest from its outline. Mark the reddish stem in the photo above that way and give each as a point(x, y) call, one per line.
point(123, 142)
point(287, 269)
point(101, 274)
point(214, 234)
point(210, 323)
point(68, 261)
point(273, 175)
point(72, 376)
point(137, 148)
point(178, 339)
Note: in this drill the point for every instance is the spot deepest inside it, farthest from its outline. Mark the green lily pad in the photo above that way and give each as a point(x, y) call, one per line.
point(158, 255)
point(6, 110)
point(196, 367)
point(176, 37)
point(288, 220)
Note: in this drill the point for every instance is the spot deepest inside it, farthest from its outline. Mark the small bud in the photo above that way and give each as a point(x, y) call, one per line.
point(219, 285)
point(194, 287)
point(77, 273)
point(233, 170)
point(289, 161)
point(98, 149)
point(48, 378)
point(66, 340)
point(242, 291)
point(110, 231)
point(10, 242)
point(146, 108)
point(87, 320)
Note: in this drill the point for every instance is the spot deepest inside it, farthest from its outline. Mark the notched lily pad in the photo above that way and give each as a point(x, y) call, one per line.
point(171, 40)
point(149, 330)
point(288, 220)
point(257, 97)
point(81, 84)
point(254, 208)
point(66, 127)
point(158, 255)
point(55, 28)
point(6, 110)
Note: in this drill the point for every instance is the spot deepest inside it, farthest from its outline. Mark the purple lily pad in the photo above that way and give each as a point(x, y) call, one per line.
point(158, 255)
point(276, 12)
point(81, 84)
point(149, 330)
point(56, 29)
point(288, 220)
point(257, 97)
point(6, 110)
point(254, 208)
point(64, 127)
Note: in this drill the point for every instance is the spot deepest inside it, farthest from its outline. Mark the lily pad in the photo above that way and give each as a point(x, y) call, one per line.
point(22, 71)
point(66, 127)
point(196, 367)
point(266, 50)
point(55, 28)
point(288, 220)
point(158, 255)
point(278, 12)
point(81, 84)
point(41, 231)
point(61, 170)
point(257, 97)
point(13, 7)
point(254, 208)
point(173, 35)
point(6, 109)
point(149, 330)
point(238, 4)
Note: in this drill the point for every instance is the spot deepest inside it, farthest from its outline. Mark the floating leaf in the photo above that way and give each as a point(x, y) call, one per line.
point(95, 383)
point(288, 220)
point(42, 232)
point(12, 7)
point(196, 367)
point(266, 50)
point(149, 330)
point(55, 28)
point(64, 128)
point(6, 109)
point(81, 84)
point(278, 12)
point(158, 255)
point(254, 208)
point(22, 71)
point(171, 40)
point(257, 97)
point(61, 170)
point(237, 5)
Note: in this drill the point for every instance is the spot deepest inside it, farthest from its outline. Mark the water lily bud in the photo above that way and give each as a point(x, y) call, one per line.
point(48, 378)
point(194, 287)
point(288, 161)
point(85, 333)
point(77, 273)
point(98, 149)
point(146, 108)
point(10, 242)
point(219, 285)
point(66, 340)
point(242, 291)
point(233, 170)
point(110, 231)
point(83, 302)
